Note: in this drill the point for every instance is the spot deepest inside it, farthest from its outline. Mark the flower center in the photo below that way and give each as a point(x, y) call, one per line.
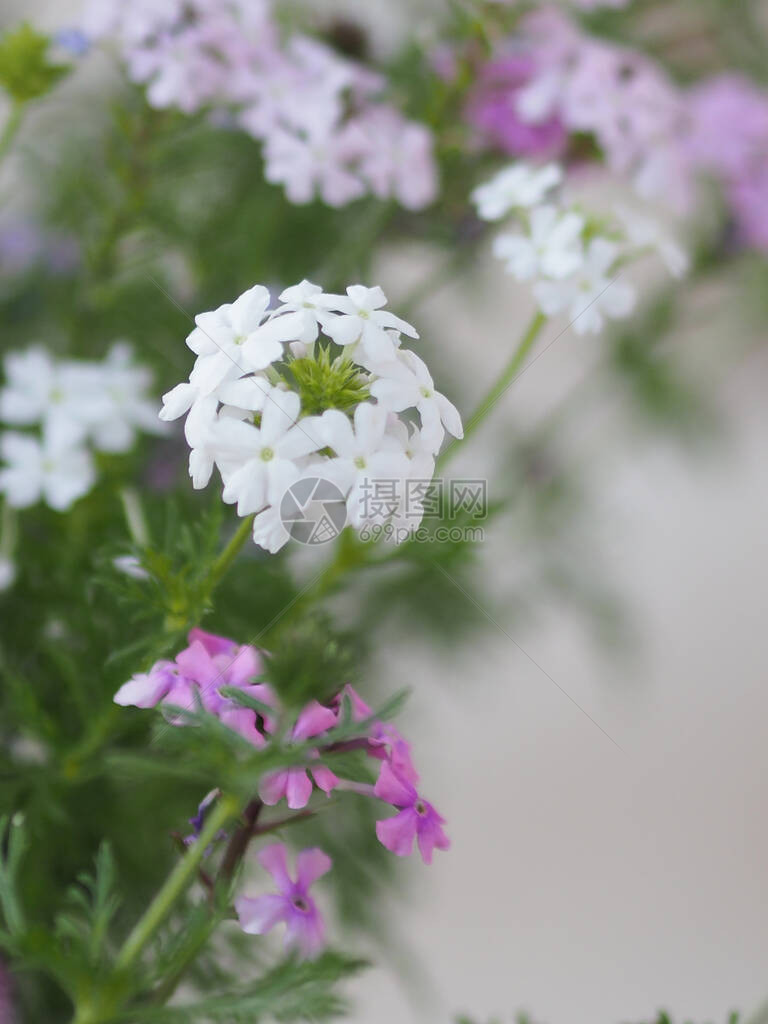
point(267, 454)
point(360, 462)
point(300, 904)
point(421, 808)
point(426, 392)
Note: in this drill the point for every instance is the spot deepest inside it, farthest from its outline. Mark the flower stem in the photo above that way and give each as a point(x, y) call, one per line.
point(177, 882)
point(11, 129)
point(231, 551)
point(499, 386)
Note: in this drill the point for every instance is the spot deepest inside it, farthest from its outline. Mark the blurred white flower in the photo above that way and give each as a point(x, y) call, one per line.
point(75, 403)
point(644, 232)
point(552, 247)
point(58, 474)
point(592, 293)
point(519, 186)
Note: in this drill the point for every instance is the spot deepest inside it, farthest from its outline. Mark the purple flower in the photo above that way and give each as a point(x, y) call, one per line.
point(417, 819)
point(292, 904)
point(294, 783)
point(492, 110)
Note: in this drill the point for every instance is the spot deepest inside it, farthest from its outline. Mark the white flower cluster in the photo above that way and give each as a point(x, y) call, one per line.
point(77, 406)
point(312, 389)
point(575, 262)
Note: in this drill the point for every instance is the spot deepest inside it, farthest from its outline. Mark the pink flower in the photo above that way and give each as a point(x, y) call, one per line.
point(292, 904)
point(728, 137)
point(417, 819)
point(294, 783)
point(491, 110)
point(385, 742)
point(201, 670)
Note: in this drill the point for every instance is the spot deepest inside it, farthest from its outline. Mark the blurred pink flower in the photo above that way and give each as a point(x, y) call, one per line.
point(492, 110)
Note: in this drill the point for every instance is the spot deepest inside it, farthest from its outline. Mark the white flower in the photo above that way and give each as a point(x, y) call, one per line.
point(592, 293)
point(252, 427)
point(303, 298)
point(234, 339)
point(644, 232)
point(519, 186)
point(363, 458)
point(59, 474)
point(407, 384)
point(269, 532)
point(363, 320)
point(120, 407)
point(63, 397)
point(7, 573)
point(552, 248)
point(258, 464)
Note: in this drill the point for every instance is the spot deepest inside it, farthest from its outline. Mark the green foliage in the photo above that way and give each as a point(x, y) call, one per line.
point(26, 70)
point(309, 658)
point(289, 992)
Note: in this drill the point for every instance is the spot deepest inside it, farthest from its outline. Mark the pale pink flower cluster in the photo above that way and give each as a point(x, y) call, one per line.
point(325, 129)
point(619, 96)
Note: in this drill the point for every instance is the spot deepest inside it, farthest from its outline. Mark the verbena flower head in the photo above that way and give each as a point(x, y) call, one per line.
point(77, 406)
point(574, 262)
point(292, 904)
point(325, 130)
point(319, 387)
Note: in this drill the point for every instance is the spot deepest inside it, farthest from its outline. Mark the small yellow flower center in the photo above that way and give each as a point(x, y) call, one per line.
point(267, 454)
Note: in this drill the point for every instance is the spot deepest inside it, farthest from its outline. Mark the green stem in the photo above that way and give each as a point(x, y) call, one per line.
point(222, 564)
point(499, 386)
point(11, 129)
point(177, 882)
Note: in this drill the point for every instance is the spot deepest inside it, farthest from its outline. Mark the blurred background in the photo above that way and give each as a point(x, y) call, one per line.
point(609, 830)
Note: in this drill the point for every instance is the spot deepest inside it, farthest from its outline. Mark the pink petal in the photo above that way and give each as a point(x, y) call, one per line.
point(211, 642)
point(258, 916)
point(145, 690)
point(393, 789)
point(325, 778)
point(272, 859)
point(243, 722)
point(431, 835)
point(244, 666)
point(360, 710)
point(398, 833)
point(305, 934)
point(272, 787)
point(196, 663)
point(298, 789)
point(313, 720)
point(311, 865)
